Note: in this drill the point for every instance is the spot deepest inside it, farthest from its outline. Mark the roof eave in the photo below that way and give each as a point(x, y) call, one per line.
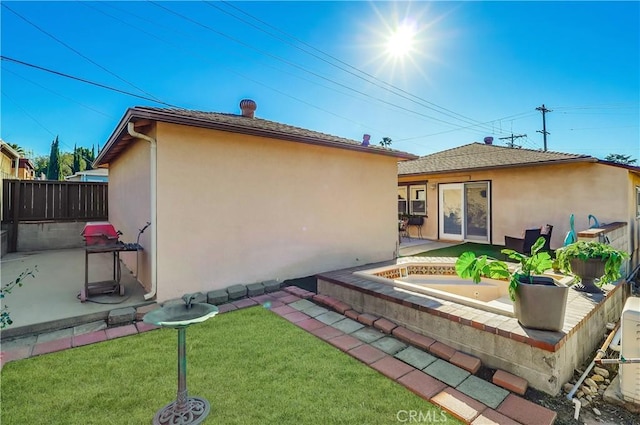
point(168, 117)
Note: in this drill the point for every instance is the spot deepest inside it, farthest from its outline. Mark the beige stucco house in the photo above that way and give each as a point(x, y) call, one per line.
point(482, 192)
point(235, 199)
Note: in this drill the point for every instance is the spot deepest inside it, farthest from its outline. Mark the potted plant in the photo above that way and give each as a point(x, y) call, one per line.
point(591, 262)
point(539, 301)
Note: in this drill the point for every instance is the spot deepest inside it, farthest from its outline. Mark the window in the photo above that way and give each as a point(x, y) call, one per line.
point(402, 200)
point(638, 201)
point(418, 197)
point(412, 199)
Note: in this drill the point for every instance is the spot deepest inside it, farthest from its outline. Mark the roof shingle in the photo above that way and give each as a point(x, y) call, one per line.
point(483, 156)
point(233, 123)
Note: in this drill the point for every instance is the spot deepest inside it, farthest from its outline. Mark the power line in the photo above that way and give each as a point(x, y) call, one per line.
point(292, 64)
point(93, 83)
point(59, 94)
point(402, 93)
point(512, 138)
point(27, 113)
point(76, 51)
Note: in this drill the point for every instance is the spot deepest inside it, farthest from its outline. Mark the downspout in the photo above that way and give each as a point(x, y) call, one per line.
point(154, 210)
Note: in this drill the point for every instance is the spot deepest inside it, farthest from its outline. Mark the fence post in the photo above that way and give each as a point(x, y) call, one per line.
point(13, 242)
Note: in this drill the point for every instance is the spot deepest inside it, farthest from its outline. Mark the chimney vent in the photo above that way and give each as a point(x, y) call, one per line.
point(488, 140)
point(248, 107)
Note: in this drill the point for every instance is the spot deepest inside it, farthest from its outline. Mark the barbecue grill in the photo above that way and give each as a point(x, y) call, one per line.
point(101, 237)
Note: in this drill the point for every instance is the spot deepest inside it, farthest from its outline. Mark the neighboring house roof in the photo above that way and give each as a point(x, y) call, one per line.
point(100, 172)
point(480, 156)
point(9, 151)
point(26, 163)
point(119, 139)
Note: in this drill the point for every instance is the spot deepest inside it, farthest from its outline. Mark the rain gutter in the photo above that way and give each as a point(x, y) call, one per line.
point(154, 208)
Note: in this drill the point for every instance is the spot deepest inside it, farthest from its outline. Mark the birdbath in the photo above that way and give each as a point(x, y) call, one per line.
point(184, 410)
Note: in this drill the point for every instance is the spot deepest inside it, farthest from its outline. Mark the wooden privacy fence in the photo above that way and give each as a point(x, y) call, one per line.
point(50, 200)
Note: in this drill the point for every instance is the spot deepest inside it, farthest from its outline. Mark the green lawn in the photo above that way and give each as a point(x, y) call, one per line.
point(253, 367)
point(492, 251)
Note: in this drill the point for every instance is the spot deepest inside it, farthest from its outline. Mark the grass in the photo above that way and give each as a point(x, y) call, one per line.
point(251, 365)
point(492, 251)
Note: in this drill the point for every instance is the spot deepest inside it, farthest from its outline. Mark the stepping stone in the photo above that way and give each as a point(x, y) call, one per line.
point(347, 325)
point(366, 353)
point(302, 304)
point(416, 358)
point(367, 335)
point(389, 345)
point(446, 372)
point(330, 317)
point(459, 405)
point(391, 368)
point(483, 391)
point(422, 384)
point(314, 311)
point(526, 412)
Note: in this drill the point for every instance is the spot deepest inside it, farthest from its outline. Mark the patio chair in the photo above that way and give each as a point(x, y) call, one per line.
point(417, 221)
point(403, 230)
point(522, 245)
point(545, 232)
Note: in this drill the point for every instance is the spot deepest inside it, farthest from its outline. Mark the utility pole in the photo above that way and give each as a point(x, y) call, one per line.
point(512, 137)
point(544, 124)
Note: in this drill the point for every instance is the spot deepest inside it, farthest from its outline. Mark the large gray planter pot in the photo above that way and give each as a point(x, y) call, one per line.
point(588, 271)
point(541, 305)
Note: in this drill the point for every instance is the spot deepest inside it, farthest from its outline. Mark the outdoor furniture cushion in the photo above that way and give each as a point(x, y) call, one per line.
point(522, 245)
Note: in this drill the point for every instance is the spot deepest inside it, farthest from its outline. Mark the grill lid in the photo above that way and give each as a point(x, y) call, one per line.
point(99, 233)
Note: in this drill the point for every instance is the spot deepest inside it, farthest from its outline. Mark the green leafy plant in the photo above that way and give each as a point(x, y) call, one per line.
point(585, 250)
point(5, 316)
point(468, 266)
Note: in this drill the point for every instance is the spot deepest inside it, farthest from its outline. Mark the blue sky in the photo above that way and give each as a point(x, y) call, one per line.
point(475, 69)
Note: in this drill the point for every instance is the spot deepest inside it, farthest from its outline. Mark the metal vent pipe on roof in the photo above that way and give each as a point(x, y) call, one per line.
point(248, 107)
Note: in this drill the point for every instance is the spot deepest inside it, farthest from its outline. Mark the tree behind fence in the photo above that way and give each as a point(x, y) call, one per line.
point(45, 200)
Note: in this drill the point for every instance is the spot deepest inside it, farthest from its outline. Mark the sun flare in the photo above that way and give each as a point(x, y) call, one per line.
point(401, 42)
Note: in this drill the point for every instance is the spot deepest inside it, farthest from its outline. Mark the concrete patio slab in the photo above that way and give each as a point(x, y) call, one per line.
point(58, 281)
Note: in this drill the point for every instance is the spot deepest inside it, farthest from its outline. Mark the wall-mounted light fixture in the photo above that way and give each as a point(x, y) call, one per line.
point(433, 186)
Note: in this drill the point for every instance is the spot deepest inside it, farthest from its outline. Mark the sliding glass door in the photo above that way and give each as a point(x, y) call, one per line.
point(464, 211)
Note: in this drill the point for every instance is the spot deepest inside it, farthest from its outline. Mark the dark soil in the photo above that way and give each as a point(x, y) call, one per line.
point(609, 414)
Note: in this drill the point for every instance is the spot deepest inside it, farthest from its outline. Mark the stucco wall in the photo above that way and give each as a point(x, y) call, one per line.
point(242, 209)
point(129, 205)
point(530, 197)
